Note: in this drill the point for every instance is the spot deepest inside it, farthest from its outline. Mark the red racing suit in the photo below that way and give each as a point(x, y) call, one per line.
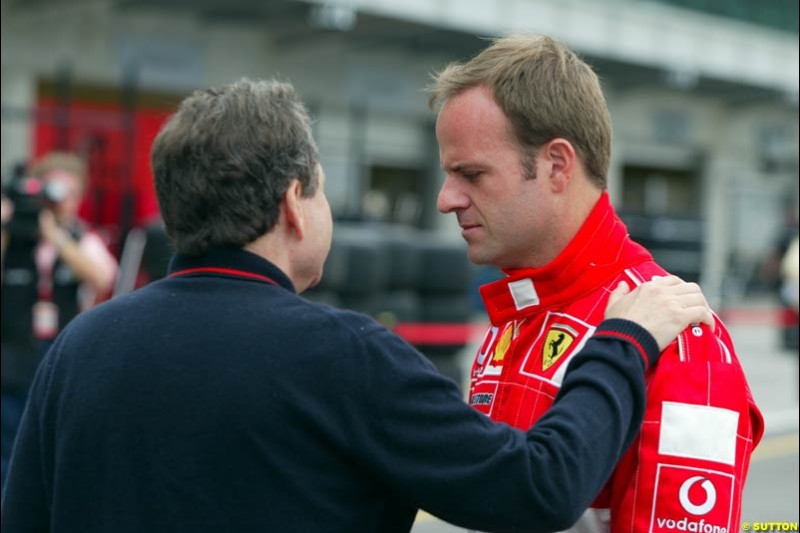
point(686, 469)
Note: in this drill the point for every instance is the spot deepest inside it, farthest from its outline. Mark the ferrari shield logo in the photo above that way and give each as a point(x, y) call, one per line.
point(558, 340)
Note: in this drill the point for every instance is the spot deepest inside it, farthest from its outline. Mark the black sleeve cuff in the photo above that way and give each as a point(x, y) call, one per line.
point(619, 328)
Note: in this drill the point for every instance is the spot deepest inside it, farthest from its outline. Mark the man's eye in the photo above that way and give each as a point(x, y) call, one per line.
point(471, 176)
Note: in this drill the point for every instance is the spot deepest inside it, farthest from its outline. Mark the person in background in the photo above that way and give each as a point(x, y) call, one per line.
point(219, 399)
point(525, 140)
point(790, 286)
point(53, 267)
point(790, 274)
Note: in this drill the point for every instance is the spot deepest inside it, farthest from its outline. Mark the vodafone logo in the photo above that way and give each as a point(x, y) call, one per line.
point(710, 496)
point(691, 499)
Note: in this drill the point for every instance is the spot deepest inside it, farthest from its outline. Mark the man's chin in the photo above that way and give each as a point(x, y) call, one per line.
point(315, 281)
point(301, 288)
point(479, 257)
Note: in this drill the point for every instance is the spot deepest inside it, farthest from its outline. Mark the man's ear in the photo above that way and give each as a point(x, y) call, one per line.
point(293, 209)
point(560, 155)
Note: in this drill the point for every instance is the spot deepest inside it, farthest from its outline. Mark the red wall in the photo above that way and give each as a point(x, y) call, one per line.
point(118, 157)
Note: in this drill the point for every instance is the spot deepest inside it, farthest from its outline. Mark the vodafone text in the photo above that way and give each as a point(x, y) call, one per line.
point(685, 524)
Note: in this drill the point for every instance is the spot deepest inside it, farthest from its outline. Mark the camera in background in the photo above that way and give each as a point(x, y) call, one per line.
point(29, 196)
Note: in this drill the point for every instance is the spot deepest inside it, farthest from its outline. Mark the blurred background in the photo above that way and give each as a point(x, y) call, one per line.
point(703, 95)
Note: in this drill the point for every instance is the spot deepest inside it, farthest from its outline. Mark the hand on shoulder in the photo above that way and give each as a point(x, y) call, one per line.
point(664, 306)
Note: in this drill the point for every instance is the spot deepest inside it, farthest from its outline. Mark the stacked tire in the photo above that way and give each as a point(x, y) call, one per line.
point(412, 281)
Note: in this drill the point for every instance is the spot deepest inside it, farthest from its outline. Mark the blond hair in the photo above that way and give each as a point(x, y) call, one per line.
point(545, 90)
point(64, 161)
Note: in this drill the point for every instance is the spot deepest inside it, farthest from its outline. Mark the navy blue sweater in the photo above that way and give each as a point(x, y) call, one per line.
point(219, 400)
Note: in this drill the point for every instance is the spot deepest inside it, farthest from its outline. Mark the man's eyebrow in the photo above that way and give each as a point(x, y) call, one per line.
point(461, 166)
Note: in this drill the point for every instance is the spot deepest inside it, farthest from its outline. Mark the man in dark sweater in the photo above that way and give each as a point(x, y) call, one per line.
point(218, 399)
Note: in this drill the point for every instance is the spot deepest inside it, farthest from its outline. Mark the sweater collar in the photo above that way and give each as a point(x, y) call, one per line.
point(599, 252)
point(230, 263)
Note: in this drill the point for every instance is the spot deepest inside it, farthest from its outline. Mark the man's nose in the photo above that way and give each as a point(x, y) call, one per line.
point(450, 197)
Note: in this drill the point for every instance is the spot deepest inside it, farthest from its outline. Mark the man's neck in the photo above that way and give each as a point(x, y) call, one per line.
point(576, 207)
point(271, 248)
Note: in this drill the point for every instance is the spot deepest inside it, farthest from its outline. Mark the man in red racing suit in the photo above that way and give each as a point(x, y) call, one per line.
point(686, 469)
point(525, 140)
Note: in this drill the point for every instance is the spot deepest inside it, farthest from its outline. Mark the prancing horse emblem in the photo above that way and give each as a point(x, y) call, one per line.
point(558, 339)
